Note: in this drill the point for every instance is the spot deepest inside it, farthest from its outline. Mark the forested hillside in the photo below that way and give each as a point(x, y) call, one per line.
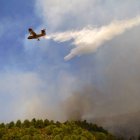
point(50, 130)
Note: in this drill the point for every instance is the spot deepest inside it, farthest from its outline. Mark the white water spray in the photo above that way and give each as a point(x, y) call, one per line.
point(89, 39)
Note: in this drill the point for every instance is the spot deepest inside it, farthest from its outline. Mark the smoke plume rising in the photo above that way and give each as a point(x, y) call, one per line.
point(89, 39)
point(91, 105)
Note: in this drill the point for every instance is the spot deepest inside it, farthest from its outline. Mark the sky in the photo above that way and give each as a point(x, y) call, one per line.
point(37, 81)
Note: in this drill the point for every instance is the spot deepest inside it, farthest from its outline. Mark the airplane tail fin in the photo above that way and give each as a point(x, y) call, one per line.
point(43, 32)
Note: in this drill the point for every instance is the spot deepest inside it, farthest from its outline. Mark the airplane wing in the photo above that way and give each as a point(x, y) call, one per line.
point(32, 33)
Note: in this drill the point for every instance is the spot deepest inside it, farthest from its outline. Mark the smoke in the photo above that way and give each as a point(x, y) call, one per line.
point(113, 103)
point(91, 105)
point(106, 89)
point(100, 87)
point(77, 106)
point(89, 39)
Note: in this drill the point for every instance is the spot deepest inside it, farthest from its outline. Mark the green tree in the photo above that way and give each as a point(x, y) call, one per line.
point(57, 131)
point(11, 124)
point(49, 129)
point(14, 135)
point(67, 138)
point(31, 131)
point(2, 125)
point(26, 137)
point(57, 137)
point(3, 131)
point(84, 138)
point(18, 123)
point(78, 131)
point(5, 137)
point(39, 124)
point(38, 137)
point(26, 123)
point(87, 135)
point(33, 122)
point(51, 122)
point(101, 136)
point(66, 129)
point(74, 137)
point(46, 122)
point(58, 123)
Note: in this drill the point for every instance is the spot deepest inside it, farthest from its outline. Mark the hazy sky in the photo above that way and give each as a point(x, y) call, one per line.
point(35, 80)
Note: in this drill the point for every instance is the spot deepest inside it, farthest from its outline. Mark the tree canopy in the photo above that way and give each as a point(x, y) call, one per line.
point(49, 130)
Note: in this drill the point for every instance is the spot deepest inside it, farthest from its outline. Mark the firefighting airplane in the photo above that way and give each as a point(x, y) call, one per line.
point(33, 35)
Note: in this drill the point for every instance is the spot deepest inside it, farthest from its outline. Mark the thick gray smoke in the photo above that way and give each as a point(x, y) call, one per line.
point(108, 82)
point(102, 87)
point(89, 39)
point(91, 105)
